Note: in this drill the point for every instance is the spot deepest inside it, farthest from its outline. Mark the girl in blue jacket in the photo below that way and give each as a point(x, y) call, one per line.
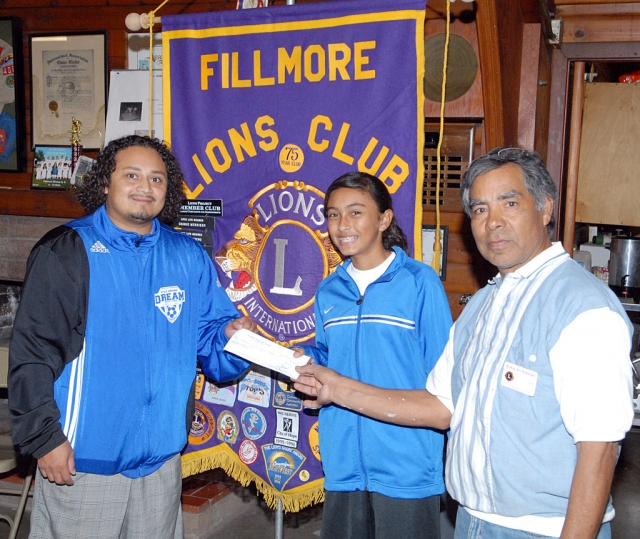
point(381, 318)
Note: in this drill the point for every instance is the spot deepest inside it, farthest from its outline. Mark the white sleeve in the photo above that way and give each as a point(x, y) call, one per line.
point(439, 379)
point(593, 378)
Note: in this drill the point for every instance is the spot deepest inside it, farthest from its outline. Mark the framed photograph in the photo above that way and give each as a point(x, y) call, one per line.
point(12, 123)
point(83, 167)
point(51, 167)
point(68, 80)
point(138, 56)
point(428, 239)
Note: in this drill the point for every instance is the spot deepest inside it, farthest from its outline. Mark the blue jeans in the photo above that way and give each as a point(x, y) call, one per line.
point(470, 527)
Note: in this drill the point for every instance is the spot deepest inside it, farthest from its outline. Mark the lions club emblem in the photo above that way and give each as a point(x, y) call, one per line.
point(169, 300)
point(276, 259)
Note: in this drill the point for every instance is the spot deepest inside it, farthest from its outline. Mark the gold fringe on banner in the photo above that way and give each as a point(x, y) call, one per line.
point(222, 456)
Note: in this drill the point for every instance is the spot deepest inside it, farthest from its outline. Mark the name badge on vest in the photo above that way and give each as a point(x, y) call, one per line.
point(519, 379)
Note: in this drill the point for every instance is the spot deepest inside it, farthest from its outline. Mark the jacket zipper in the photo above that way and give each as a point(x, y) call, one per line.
point(359, 303)
point(139, 267)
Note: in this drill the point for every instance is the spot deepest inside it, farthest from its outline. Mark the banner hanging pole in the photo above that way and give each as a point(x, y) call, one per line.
point(279, 519)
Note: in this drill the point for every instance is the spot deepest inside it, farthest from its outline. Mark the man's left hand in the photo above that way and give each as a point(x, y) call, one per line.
point(590, 489)
point(246, 322)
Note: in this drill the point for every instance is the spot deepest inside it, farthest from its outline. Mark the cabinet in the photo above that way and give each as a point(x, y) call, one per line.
point(609, 168)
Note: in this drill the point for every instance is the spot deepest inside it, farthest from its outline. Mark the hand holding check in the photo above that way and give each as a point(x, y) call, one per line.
point(266, 353)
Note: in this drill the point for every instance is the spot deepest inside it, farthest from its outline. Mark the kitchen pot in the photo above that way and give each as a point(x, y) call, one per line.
point(624, 266)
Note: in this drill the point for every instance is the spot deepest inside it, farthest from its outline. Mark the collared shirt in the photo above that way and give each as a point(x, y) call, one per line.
point(532, 357)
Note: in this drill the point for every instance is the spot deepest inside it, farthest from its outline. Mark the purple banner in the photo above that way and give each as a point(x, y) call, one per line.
point(264, 108)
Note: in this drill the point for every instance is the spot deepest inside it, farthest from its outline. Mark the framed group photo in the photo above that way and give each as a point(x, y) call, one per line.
point(68, 80)
point(51, 167)
point(12, 121)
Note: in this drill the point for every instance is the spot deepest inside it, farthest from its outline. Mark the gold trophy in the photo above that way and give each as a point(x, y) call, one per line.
point(76, 147)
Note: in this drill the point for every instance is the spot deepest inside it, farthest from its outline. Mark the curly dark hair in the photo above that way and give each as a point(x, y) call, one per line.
point(378, 191)
point(92, 194)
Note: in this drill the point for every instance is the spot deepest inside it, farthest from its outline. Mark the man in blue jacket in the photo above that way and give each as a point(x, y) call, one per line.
point(116, 310)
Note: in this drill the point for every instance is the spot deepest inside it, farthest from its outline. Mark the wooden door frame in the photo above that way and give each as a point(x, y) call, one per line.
point(559, 108)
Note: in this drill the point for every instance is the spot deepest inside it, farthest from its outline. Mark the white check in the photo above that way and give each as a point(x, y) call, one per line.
point(257, 349)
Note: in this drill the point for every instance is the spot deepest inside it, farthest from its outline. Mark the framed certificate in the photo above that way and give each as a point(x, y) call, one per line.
point(68, 80)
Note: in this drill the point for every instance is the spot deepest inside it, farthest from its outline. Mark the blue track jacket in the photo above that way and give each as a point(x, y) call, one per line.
point(392, 338)
point(105, 343)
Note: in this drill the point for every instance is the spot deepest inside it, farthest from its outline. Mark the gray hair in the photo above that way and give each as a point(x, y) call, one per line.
point(536, 177)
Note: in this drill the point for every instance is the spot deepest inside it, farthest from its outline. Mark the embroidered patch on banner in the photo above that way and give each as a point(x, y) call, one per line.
point(248, 452)
point(169, 300)
point(282, 464)
point(203, 425)
point(224, 395)
point(284, 394)
point(255, 388)
point(287, 428)
point(227, 427)
point(314, 440)
point(253, 422)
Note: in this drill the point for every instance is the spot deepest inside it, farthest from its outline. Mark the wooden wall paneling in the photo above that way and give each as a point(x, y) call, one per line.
point(575, 132)
point(529, 85)
point(626, 50)
point(603, 22)
point(557, 123)
point(467, 271)
point(470, 104)
point(574, 2)
point(535, 89)
point(500, 25)
point(437, 9)
point(543, 98)
point(39, 203)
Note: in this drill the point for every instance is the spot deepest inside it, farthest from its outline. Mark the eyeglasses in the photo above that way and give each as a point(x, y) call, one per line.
point(511, 154)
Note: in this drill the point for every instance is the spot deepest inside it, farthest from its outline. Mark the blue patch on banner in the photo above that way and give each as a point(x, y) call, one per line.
point(281, 463)
point(253, 422)
point(255, 388)
point(284, 396)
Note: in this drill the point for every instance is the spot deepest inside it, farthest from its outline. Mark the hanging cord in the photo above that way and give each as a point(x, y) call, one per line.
point(152, 14)
point(437, 245)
